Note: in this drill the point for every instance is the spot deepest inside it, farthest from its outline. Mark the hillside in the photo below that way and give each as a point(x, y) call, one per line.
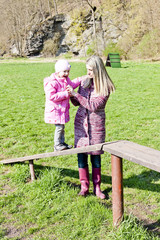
point(130, 27)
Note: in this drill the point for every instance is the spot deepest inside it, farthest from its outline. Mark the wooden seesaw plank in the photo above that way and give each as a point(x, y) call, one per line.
point(90, 148)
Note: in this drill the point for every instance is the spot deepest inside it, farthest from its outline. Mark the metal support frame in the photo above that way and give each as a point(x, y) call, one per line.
point(117, 190)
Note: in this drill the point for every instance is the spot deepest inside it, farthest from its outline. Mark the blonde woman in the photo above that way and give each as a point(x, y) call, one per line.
point(89, 124)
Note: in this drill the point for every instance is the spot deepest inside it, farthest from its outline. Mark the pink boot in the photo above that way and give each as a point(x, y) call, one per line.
point(96, 177)
point(84, 179)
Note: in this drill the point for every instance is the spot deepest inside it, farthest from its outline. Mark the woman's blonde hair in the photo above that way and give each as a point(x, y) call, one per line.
point(103, 85)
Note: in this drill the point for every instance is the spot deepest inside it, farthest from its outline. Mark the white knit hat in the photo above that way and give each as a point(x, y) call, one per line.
point(62, 65)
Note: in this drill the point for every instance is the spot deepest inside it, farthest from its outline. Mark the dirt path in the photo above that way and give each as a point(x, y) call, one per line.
point(37, 60)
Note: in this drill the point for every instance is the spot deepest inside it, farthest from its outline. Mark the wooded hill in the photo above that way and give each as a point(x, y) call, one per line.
point(130, 27)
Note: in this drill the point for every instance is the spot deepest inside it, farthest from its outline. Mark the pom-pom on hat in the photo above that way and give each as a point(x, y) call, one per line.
point(62, 65)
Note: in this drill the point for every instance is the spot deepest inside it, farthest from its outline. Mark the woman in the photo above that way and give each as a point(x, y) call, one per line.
point(89, 124)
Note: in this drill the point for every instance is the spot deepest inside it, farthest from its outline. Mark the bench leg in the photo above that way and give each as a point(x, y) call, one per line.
point(31, 166)
point(117, 190)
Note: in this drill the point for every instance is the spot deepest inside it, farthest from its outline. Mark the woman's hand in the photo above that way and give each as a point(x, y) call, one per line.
point(70, 90)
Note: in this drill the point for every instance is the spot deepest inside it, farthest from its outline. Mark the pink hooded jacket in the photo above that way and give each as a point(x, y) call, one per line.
point(57, 99)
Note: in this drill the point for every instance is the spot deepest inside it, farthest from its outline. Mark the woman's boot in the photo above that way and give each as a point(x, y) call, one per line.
point(96, 177)
point(84, 179)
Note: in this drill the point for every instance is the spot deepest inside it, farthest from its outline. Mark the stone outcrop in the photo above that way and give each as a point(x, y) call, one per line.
point(46, 30)
point(69, 40)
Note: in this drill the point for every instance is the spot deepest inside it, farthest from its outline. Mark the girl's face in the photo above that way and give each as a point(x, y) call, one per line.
point(90, 71)
point(63, 74)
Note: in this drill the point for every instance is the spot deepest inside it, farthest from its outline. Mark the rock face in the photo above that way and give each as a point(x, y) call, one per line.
point(44, 31)
point(69, 40)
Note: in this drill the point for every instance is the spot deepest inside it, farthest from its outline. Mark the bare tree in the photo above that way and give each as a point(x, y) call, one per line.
point(49, 8)
point(55, 7)
point(20, 16)
point(93, 9)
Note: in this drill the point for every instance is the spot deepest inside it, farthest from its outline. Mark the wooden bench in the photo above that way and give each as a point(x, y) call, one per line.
point(119, 150)
point(145, 156)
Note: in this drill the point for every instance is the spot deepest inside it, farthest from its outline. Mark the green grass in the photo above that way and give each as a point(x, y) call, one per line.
point(49, 207)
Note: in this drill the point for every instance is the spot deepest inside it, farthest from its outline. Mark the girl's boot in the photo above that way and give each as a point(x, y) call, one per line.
point(84, 179)
point(96, 177)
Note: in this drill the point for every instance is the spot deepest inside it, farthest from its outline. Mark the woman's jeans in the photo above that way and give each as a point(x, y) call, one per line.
point(59, 134)
point(83, 160)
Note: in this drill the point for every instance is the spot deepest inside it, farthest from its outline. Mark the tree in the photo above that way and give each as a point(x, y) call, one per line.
point(20, 16)
point(93, 10)
point(55, 7)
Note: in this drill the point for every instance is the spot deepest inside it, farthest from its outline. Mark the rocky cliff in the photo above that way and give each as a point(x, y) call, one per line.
point(75, 35)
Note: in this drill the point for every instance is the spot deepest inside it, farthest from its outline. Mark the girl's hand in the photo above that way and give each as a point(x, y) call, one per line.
point(70, 90)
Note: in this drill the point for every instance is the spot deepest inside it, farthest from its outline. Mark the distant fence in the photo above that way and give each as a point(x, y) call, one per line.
point(145, 156)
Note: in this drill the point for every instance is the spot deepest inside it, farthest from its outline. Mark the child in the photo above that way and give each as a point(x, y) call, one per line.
point(57, 101)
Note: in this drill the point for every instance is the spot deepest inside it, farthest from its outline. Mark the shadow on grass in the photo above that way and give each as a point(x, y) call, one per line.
point(154, 226)
point(74, 174)
point(143, 181)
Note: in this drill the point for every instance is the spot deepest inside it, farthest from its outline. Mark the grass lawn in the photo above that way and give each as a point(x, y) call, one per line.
point(49, 207)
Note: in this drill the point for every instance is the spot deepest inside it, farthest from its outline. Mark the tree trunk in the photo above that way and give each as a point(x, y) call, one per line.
point(55, 7)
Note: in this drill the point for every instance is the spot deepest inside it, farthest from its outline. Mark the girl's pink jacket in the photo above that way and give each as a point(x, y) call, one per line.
point(57, 98)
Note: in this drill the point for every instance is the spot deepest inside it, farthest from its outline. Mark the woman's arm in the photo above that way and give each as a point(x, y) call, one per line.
point(92, 104)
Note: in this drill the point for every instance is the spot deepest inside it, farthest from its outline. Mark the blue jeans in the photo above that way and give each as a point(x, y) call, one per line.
point(83, 160)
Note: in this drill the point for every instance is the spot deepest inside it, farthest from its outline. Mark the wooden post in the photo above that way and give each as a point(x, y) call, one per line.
point(31, 166)
point(117, 190)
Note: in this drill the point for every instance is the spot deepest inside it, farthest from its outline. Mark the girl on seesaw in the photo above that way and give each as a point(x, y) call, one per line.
point(57, 101)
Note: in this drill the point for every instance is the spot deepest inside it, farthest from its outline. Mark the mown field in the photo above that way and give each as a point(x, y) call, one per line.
point(50, 208)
